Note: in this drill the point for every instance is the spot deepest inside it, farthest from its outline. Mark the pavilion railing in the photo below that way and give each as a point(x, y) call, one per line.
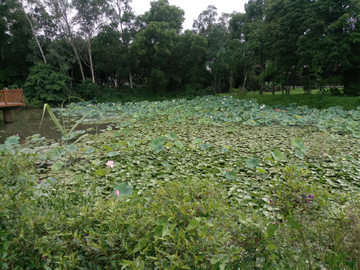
point(11, 97)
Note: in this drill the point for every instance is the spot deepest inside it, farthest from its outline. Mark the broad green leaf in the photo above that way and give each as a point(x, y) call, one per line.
point(231, 176)
point(356, 134)
point(89, 151)
point(12, 140)
point(299, 154)
point(132, 142)
point(205, 146)
point(252, 162)
point(123, 190)
point(113, 154)
point(296, 141)
point(179, 144)
point(72, 148)
point(277, 155)
point(302, 147)
point(293, 222)
point(101, 172)
point(57, 165)
point(172, 136)
point(198, 141)
point(56, 153)
point(271, 229)
point(158, 148)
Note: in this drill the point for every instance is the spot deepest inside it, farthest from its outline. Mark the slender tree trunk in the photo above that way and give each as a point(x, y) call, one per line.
point(90, 59)
point(131, 83)
point(35, 36)
point(244, 83)
point(79, 60)
point(215, 83)
point(262, 70)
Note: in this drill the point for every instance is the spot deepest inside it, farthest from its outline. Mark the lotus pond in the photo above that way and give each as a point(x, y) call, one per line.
point(250, 153)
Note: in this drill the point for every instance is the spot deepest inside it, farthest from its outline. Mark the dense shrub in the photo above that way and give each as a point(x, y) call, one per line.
point(87, 90)
point(46, 85)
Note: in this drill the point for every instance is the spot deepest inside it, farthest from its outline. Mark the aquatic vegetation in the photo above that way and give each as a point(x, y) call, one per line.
point(210, 183)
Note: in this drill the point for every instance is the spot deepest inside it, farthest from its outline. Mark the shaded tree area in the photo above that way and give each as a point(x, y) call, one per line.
point(96, 48)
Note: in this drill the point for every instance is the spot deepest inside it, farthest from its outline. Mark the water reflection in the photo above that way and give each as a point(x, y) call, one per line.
point(27, 122)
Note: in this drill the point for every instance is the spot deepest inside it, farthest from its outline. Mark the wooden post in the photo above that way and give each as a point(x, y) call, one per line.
point(7, 116)
point(5, 97)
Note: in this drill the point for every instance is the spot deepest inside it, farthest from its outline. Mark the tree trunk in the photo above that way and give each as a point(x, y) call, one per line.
point(131, 83)
point(90, 59)
point(215, 83)
point(244, 83)
point(262, 70)
point(35, 36)
point(79, 60)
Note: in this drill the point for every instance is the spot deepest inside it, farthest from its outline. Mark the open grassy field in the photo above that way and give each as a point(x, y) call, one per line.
point(209, 183)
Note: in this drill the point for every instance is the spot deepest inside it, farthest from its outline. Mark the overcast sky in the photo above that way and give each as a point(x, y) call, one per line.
point(193, 8)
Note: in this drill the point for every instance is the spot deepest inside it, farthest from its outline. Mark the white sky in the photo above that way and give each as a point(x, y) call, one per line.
point(193, 8)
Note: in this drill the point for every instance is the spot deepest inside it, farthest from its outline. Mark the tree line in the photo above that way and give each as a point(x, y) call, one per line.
point(57, 48)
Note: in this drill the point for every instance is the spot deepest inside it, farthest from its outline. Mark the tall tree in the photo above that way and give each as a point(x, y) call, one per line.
point(250, 28)
point(29, 9)
point(62, 12)
point(90, 16)
point(205, 21)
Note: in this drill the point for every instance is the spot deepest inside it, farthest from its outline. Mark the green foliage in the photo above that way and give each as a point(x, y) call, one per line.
point(87, 90)
point(289, 201)
point(46, 85)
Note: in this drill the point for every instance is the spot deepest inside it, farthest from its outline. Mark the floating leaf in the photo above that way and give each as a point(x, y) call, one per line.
point(124, 190)
point(198, 141)
point(205, 146)
point(56, 166)
point(172, 136)
point(89, 151)
point(277, 155)
point(132, 142)
point(179, 144)
point(356, 134)
point(231, 176)
point(72, 148)
point(252, 162)
point(56, 153)
point(101, 172)
point(158, 148)
point(12, 140)
point(225, 150)
point(113, 154)
point(299, 154)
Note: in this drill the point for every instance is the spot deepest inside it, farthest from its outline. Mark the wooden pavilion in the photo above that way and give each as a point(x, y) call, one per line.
point(10, 100)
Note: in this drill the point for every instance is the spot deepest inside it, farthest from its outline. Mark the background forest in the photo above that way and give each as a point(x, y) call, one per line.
point(100, 49)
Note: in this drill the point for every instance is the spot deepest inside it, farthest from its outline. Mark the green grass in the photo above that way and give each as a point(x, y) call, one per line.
point(297, 96)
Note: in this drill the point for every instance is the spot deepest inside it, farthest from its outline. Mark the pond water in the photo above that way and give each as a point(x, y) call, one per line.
point(27, 122)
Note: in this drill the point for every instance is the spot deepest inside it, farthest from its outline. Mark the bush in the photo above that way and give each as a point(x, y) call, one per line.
point(178, 225)
point(352, 89)
point(87, 90)
point(46, 85)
